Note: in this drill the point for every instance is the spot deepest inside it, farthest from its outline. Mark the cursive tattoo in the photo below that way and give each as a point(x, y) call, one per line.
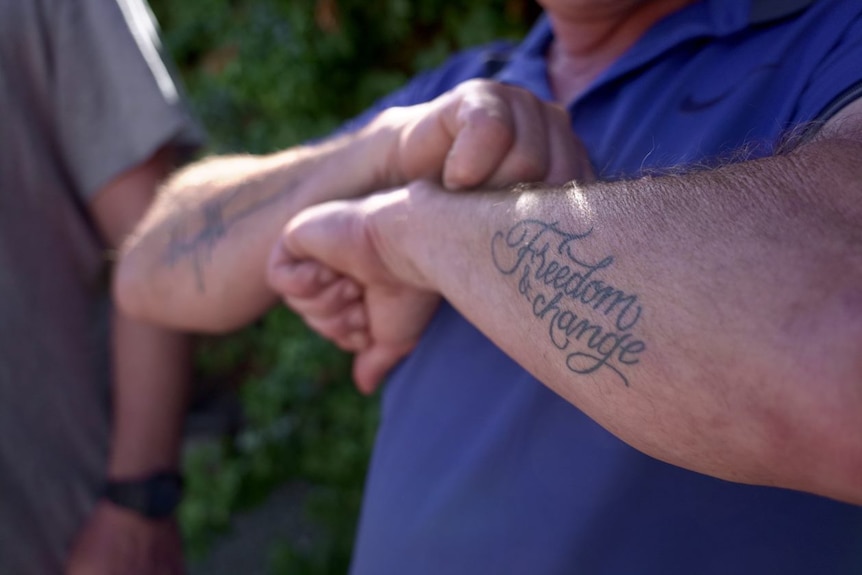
point(566, 291)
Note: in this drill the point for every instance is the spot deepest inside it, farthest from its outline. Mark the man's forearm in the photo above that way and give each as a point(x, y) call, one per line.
point(197, 260)
point(712, 320)
point(152, 370)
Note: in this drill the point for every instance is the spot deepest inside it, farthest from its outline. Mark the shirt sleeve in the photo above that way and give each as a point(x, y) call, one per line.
point(115, 99)
point(837, 80)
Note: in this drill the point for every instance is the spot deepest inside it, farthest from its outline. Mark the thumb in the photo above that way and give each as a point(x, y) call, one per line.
point(324, 232)
point(483, 131)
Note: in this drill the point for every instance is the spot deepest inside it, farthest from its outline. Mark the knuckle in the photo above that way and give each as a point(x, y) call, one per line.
point(487, 121)
point(475, 84)
point(526, 165)
point(297, 288)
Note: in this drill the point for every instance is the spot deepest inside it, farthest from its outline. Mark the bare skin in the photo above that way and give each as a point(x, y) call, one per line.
point(178, 271)
point(589, 35)
point(197, 261)
point(738, 406)
point(763, 254)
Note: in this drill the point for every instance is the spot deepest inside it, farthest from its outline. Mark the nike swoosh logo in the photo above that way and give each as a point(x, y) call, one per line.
point(691, 104)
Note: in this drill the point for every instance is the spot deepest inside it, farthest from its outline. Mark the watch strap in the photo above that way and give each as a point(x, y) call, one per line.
point(155, 496)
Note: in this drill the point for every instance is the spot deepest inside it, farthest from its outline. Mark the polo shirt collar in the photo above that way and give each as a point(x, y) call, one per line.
point(702, 19)
point(730, 17)
point(766, 10)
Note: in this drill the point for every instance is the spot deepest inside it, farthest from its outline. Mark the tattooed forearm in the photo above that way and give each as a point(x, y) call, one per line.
point(195, 240)
point(568, 293)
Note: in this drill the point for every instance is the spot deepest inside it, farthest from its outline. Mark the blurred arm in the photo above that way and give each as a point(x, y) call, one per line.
point(151, 364)
point(198, 260)
point(151, 370)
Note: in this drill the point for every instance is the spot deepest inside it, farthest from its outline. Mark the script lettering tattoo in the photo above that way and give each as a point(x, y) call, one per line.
point(217, 215)
point(561, 286)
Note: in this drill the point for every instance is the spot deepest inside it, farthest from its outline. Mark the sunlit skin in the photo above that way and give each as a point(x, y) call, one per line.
point(590, 34)
point(392, 244)
point(736, 402)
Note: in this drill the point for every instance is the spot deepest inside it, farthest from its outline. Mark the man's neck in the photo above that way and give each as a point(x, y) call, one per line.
point(587, 40)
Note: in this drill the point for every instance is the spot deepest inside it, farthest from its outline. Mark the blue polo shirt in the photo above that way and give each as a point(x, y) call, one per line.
point(478, 468)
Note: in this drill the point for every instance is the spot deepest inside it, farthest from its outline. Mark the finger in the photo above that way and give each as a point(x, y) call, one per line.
point(304, 279)
point(425, 142)
point(483, 130)
point(340, 326)
point(340, 234)
point(354, 342)
point(328, 232)
point(568, 156)
point(528, 158)
point(330, 301)
point(371, 366)
point(294, 277)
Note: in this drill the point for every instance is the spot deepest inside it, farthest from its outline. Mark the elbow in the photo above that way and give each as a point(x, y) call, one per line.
point(834, 466)
point(850, 469)
point(174, 301)
point(817, 446)
point(136, 299)
point(826, 423)
point(838, 453)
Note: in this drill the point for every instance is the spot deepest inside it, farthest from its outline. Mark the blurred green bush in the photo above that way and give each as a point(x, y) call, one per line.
point(264, 75)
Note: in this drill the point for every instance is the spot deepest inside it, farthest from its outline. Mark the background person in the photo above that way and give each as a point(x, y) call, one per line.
point(92, 124)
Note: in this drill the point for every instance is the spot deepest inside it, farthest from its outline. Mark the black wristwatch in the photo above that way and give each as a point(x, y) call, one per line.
point(155, 497)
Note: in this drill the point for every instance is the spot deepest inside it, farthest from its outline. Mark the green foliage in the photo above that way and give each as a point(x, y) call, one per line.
point(303, 422)
point(264, 75)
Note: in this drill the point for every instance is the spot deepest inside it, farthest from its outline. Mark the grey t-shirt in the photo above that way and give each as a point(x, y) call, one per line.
point(84, 96)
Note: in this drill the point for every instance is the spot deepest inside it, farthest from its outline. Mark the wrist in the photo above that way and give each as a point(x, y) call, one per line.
point(351, 166)
point(380, 143)
point(404, 229)
point(153, 496)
